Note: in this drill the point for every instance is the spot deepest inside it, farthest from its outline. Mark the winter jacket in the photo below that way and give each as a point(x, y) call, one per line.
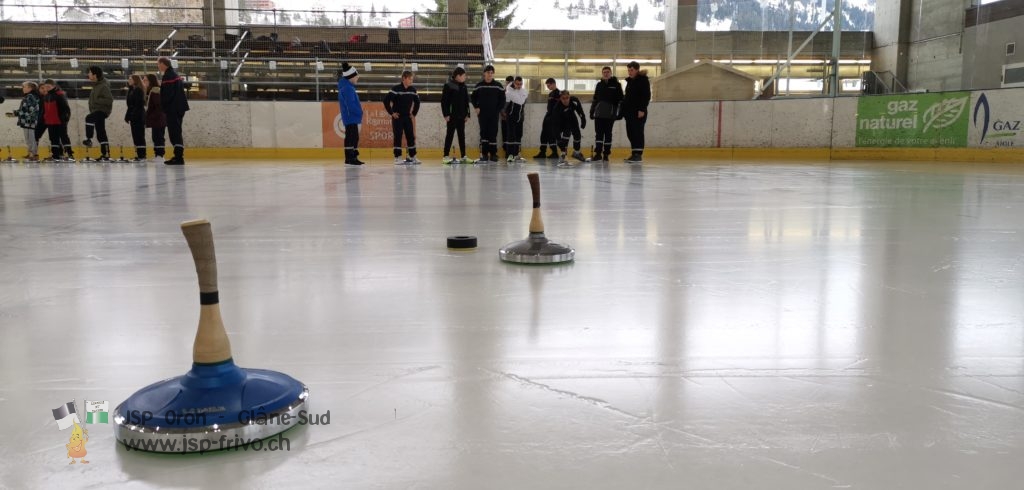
point(401, 100)
point(29, 112)
point(489, 97)
point(515, 102)
point(100, 98)
point(516, 96)
point(553, 97)
point(63, 106)
point(638, 94)
point(455, 100)
point(155, 117)
point(351, 109)
point(136, 106)
point(56, 110)
point(607, 96)
point(172, 93)
point(567, 114)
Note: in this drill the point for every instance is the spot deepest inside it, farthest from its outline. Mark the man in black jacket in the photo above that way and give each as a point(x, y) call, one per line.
point(550, 127)
point(488, 99)
point(569, 113)
point(403, 104)
point(604, 110)
point(455, 109)
point(175, 105)
point(634, 109)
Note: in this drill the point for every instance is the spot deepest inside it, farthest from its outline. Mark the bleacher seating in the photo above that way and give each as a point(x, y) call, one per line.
point(294, 78)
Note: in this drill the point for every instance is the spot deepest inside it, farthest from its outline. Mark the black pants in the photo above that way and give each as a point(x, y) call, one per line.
point(65, 138)
point(351, 142)
point(404, 125)
point(549, 131)
point(566, 130)
point(488, 133)
point(97, 122)
point(174, 121)
point(158, 141)
point(57, 135)
point(455, 125)
point(139, 138)
point(635, 131)
point(603, 137)
point(505, 136)
point(514, 136)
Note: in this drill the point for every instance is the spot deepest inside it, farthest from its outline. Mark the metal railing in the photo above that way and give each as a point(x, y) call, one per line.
point(248, 53)
point(228, 53)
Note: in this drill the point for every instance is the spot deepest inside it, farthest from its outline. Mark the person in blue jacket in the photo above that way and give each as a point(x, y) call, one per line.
point(351, 112)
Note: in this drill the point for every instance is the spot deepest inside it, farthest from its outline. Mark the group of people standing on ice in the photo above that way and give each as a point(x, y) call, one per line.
point(156, 103)
point(503, 107)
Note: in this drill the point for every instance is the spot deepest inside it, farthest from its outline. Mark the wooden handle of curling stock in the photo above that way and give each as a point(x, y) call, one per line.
point(211, 344)
point(536, 224)
point(534, 179)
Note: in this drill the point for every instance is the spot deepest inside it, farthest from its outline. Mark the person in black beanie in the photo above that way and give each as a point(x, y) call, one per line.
point(175, 105)
point(634, 109)
point(488, 99)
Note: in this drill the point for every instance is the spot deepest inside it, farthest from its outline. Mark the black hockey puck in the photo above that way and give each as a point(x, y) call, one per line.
point(462, 242)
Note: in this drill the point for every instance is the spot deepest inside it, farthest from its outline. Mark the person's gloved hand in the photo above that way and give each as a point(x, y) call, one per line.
point(584, 125)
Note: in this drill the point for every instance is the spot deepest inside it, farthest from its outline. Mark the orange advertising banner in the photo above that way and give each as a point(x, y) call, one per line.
point(375, 131)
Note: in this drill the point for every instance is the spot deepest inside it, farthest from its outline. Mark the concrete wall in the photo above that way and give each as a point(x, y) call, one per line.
point(703, 82)
point(936, 31)
point(680, 33)
point(985, 52)
point(780, 123)
point(891, 37)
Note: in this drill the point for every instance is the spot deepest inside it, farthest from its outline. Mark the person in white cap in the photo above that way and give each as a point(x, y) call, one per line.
point(351, 111)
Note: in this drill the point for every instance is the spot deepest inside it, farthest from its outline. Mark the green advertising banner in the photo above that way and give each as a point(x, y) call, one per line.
point(914, 120)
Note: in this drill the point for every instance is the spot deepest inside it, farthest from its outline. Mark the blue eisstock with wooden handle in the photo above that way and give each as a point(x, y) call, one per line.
point(216, 404)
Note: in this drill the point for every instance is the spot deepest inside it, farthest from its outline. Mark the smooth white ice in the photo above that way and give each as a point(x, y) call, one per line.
point(725, 325)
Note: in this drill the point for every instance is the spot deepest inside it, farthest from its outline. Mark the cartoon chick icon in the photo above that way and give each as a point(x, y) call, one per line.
point(76, 446)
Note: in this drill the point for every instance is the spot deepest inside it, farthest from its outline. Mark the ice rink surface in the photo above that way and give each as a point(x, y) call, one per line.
point(725, 324)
